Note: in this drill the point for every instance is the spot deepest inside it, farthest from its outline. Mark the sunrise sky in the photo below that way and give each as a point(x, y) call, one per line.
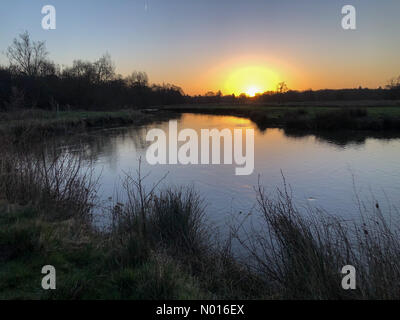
point(234, 46)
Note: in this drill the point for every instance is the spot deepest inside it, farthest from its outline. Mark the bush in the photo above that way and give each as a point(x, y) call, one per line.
point(177, 220)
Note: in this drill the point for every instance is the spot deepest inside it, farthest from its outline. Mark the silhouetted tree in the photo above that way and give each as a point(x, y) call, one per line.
point(394, 88)
point(104, 69)
point(393, 83)
point(48, 68)
point(137, 78)
point(281, 89)
point(81, 70)
point(27, 57)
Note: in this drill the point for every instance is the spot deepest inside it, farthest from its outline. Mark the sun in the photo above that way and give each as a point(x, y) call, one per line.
point(252, 91)
point(250, 80)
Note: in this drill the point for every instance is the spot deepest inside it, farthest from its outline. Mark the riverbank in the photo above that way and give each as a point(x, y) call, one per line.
point(87, 265)
point(157, 246)
point(324, 117)
point(39, 124)
point(355, 116)
point(320, 120)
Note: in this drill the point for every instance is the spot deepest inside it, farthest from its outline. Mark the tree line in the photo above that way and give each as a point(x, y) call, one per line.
point(32, 80)
point(284, 95)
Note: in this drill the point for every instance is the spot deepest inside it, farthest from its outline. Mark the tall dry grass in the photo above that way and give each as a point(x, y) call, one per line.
point(59, 184)
point(300, 254)
point(169, 219)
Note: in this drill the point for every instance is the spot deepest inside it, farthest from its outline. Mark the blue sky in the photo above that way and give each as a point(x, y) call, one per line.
point(195, 43)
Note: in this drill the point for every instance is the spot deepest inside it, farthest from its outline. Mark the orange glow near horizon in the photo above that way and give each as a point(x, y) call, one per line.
point(251, 80)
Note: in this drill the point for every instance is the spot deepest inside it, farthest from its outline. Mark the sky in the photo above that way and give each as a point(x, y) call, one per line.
point(227, 45)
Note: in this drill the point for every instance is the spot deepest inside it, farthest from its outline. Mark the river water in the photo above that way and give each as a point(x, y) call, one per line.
point(326, 172)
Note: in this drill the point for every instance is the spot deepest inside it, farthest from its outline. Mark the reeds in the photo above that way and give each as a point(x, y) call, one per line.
point(56, 183)
point(301, 253)
point(170, 219)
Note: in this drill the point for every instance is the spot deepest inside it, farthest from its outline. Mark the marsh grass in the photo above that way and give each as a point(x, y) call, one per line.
point(56, 183)
point(172, 221)
point(312, 117)
point(36, 125)
point(177, 218)
point(301, 253)
point(57, 229)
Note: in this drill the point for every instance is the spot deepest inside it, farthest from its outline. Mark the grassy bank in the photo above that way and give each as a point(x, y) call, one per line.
point(87, 265)
point(46, 219)
point(38, 124)
point(311, 118)
point(156, 246)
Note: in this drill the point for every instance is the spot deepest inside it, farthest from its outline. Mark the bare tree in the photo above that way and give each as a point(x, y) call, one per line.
point(282, 87)
point(105, 68)
point(81, 69)
point(48, 68)
point(102, 70)
point(394, 83)
point(27, 57)
point(138, 78)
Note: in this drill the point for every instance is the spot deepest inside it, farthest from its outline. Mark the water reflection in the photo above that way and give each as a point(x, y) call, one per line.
point(343, 138)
